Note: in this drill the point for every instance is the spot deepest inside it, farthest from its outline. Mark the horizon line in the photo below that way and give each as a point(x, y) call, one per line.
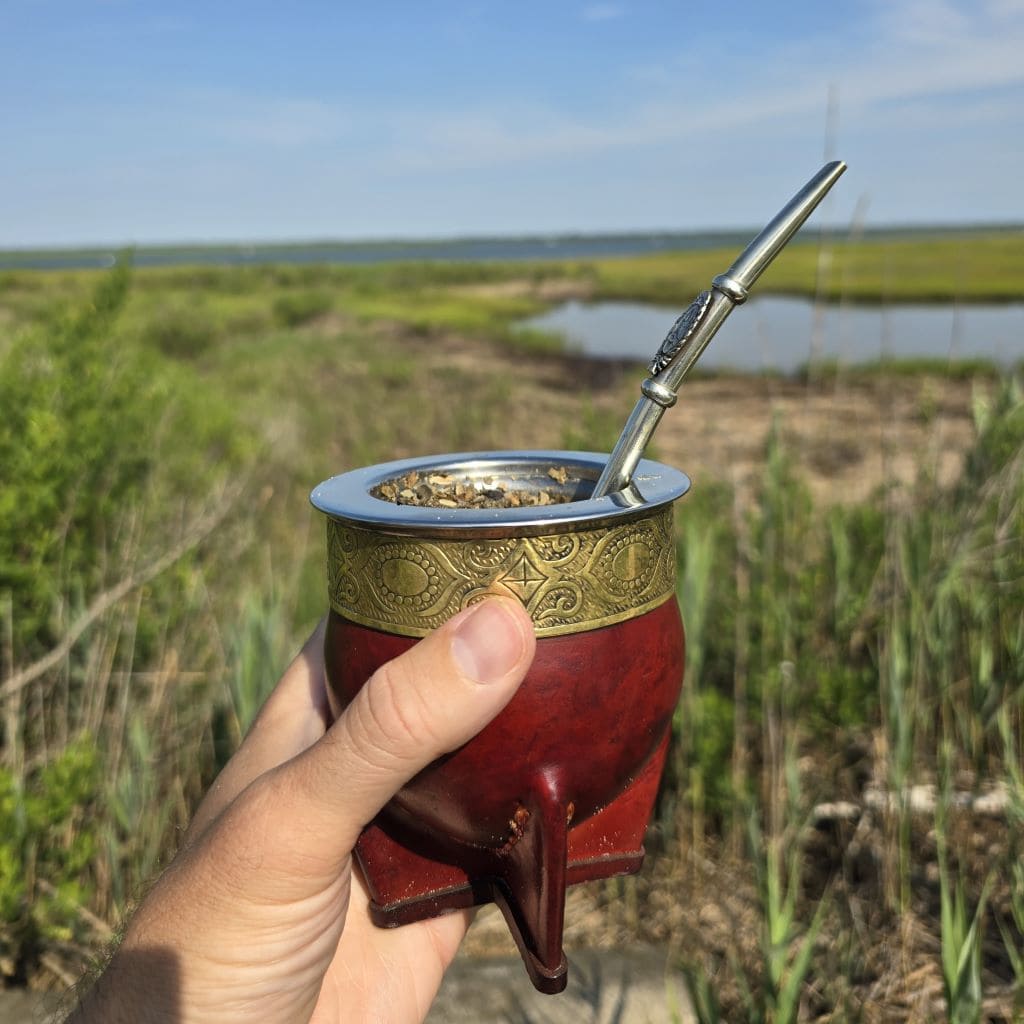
point(537, 236)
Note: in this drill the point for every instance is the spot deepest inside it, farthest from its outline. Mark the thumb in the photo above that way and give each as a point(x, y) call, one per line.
point(424, 703)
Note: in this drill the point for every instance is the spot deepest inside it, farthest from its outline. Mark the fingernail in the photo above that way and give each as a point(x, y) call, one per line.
point(488, 643)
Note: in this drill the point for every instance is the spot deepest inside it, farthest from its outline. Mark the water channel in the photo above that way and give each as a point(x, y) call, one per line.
point(782, 333)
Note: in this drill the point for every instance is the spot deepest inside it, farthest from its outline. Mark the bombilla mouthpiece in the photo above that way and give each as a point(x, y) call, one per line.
point(690, 334)
point(753, 261)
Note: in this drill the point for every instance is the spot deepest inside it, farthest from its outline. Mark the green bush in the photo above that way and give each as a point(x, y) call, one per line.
point(181, 329)
point(78, 414)
point(296, 308)
point(107, 449)
point(98, 436)
point(48, 840)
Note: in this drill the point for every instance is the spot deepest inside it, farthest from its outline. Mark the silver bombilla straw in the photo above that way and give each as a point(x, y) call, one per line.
point(690, 334)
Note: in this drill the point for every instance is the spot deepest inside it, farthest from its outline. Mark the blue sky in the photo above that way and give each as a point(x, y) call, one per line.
point(136, 121)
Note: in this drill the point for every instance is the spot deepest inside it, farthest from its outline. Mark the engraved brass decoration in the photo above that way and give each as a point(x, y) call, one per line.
point(568, 582)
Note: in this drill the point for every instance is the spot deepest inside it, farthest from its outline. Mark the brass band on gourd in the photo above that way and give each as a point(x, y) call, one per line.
point(568, 582)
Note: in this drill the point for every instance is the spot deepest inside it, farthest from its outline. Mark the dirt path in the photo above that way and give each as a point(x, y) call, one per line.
point(848, 436)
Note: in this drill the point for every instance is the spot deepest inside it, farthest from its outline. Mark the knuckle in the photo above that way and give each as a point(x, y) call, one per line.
point(258, 803)
point(393, 715)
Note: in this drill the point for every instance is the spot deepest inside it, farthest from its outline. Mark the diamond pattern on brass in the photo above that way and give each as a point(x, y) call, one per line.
point(523, 579)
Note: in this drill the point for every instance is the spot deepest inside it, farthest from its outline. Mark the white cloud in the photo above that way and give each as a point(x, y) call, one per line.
point(283, 122)
point(1005, 8)
point(602, 12)
point(909, 53)
point(917, 54)
point(923, 22)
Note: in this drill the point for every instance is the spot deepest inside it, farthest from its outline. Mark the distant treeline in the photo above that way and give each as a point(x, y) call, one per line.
point(470, 248)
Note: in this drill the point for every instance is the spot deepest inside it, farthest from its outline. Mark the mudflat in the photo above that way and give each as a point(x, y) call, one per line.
point(848, 434)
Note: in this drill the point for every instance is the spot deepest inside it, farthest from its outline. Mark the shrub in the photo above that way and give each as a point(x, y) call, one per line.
point(295, 308)
point(181, 329)
point(48, 839)
point(77, 415)
point(87, 473)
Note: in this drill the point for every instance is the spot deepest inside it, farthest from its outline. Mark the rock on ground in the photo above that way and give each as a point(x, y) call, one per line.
point(634, 986)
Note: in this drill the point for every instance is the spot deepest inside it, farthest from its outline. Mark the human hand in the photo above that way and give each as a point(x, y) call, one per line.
point(260, 917)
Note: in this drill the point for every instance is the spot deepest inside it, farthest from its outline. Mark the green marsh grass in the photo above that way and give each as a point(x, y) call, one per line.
point(901, 620)
point(787, 942)
point(961, 928)
point(984, 268)
point(297, 307)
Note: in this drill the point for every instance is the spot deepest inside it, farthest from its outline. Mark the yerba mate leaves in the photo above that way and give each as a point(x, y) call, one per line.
point(443, 490)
